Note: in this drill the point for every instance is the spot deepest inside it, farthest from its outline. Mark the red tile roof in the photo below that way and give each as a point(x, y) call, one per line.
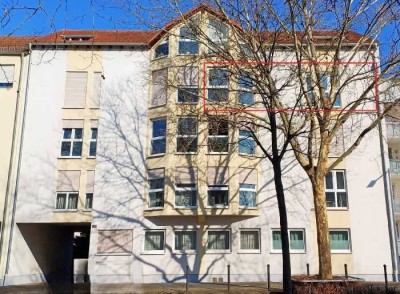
point(88, 37)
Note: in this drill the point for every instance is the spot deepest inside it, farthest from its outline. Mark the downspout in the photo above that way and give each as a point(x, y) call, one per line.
point(13, 201)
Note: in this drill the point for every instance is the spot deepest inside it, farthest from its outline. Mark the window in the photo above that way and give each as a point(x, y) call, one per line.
point(185, 241)
point(67, 201)
point(326, 85)
point(159, 82)
point(218, 139)
point(296, 240)
point(154, 241)
point(188, 81)
point(186, 140)
point(89, 201)
point(6, 75)
point(218, 82)
point(185, 187)
point(218, 34)
point(340, 240)
point(162, 49)
point(335, 189)
point(247, 188)
point(114, 241)
point(246, 52)
point(218, 195)
point(156, 188)
point(158, 138)
point(250, 240)
point(75, 89)
point(187, 41)
point(71, 144)
point(218, 241)
point(93, 142)
point(246, 143)
point(245, 87)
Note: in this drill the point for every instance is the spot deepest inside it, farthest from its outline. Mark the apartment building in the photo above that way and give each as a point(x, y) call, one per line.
point(124, 178)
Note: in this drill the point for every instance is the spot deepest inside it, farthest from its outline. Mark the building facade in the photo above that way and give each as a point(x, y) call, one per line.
point(123, 177)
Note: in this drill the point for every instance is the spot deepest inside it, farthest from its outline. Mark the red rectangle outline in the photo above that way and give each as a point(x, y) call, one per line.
point(374, 63)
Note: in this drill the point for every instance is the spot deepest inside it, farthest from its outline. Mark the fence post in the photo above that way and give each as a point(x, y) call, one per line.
point(187, 278)
point(386, 278)
point(229, 277)
point(268, 277)
point(346, 273)
point(308, 269)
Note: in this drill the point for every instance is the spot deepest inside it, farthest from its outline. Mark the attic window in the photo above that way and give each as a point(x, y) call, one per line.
point(79, 38)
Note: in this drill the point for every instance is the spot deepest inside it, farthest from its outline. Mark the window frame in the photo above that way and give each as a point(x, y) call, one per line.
point(149, 190)
point(248, 190)
point(71, 140)
point(183, 136)
point(303, 230)
point(222, 40)
point(186, 251)
point(217, 87)
point(185, 189)
point(326, 85)
point(158, 252)
point(67, 199)
point(163, 42)
point(218, 188)
point(246, 139)
point(229, 250)
point(87, 196)
point(241, 250)
point(93, 141)
point(348, 241)
point(242, 89)
point(9, 83)
point(187, 40)
point(335, 190)
point(211, 137)
point(163, 138)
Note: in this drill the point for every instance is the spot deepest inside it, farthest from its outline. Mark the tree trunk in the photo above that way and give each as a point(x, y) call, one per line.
point(287, 271)
point(321, 218)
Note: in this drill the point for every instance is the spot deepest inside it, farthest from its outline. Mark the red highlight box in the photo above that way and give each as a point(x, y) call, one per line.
point(231, 110)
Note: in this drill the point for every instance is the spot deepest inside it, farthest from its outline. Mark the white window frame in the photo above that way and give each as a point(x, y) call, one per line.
point(180, 39)
point(71, 140)
point(211, 31)
point(160, 252)
point(327, 89)
point(229, 250)
point(67, 201)
point(9, 81)
point(91, 140)
point(185, 189)
point(86, 201)
point(217, 188)
point(246, 138)
point(155, 191)
point(335, 190)
point(158, 138)
point(348, 240)
point(217, 87)
point(163, 42)
point(241, 250)
point(187, 136)
point(209, 146)
point(291, 250)
point(248, 190)
point(185, 251)
point(244, 89)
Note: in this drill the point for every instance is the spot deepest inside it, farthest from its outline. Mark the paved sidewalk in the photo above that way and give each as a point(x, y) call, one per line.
point(177, 288)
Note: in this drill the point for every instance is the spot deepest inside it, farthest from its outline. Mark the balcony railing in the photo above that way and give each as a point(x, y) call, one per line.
point(393, 129)
point(395, 166)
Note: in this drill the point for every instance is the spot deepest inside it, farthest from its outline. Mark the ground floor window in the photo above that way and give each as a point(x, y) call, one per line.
point(154, 241)
point(218, 241)
point(340, 240)
point(250, 240)
point(296, 240)
point(67, 201)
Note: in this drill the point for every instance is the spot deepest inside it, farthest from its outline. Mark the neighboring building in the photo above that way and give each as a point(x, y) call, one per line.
point(122, 179)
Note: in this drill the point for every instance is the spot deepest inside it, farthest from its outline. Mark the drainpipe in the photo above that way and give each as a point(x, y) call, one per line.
point(389, 207)
point(8, 223)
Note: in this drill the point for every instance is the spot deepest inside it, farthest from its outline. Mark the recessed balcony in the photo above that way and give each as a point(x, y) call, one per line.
point(393, 130)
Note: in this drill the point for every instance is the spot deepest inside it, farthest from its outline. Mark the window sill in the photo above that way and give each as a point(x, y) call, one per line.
point(156, 155)
point(160, 57)
point(91, 157)
point(249, 251)
point(248, 208)
point(337, 208)
point(291, 252)
point(154, 208)
point(69, 157)
point(224, 251)
point(156, 106)
point(152, 252)
point(187, 252)
point(64, 210)
point(247, 154)
point(187, 54)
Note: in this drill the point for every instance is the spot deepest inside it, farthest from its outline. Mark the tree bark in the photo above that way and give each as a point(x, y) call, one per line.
point(321, 219)
point(287, 271)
